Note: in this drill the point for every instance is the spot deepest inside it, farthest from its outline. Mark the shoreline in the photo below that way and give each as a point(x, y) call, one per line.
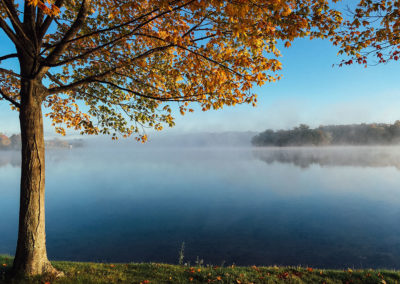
point(87, 272)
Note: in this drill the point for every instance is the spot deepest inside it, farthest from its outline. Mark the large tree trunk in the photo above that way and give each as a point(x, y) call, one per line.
point(31, 256)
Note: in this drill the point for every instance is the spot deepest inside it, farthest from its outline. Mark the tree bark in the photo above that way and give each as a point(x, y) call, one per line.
point(31, 255)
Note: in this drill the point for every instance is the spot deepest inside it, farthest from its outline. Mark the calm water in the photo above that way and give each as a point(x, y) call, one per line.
point(325, 207)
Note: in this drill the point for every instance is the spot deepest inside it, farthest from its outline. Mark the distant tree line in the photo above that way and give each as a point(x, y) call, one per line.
point(14, 142)
point(354, 134)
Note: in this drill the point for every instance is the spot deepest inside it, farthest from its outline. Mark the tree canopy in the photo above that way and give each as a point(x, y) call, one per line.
point(371, 33)
point(115, 67)
point(127, 60)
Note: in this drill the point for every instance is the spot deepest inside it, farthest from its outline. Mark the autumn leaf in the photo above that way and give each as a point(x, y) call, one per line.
point(365, 40)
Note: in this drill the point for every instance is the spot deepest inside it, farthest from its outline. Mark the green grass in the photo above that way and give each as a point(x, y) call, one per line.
point(80, 272)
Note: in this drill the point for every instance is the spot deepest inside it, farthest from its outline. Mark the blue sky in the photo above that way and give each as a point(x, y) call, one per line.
point(311, 92)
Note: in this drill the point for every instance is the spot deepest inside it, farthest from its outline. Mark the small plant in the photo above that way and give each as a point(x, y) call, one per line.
point(181, 254)
point(199, 262)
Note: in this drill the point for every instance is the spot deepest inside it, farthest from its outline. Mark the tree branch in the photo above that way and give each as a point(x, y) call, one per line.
point(79, 83)
point(196, 53)
point(114, 27)
point(47, 21)
point(86, 53)
point(2, 70)
point(29, 22)
point(171, 99)
point(16, 23)
point(11, 55)
point(73, 30)
point(39, 21)
point(83, 55)
point(54, 79)
point(11, 7)
point(11, 35)
point(11, 100)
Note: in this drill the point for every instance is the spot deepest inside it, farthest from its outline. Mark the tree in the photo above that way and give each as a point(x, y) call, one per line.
point(127, 60)
point(371, 31)
point(4, 141)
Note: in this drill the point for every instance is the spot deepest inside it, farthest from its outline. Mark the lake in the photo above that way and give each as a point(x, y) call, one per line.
point(332, 207)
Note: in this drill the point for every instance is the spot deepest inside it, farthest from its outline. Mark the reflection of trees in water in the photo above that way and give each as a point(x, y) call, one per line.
point(12, 158)
point(331, 156)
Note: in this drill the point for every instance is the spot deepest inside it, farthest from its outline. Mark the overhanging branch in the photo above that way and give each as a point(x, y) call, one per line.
point(9, 72)
point(11, 55)
point(157, 98)
point(11, 100)
point(83, 82)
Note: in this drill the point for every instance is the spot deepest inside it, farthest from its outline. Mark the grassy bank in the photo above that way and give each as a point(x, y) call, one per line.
point(79, 272)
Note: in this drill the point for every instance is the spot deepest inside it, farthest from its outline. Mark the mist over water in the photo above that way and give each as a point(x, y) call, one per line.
point(334, 207)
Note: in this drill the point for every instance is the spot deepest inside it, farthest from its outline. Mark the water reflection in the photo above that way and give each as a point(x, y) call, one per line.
point(304, 157)
point(11, 157)
point(227, 205)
